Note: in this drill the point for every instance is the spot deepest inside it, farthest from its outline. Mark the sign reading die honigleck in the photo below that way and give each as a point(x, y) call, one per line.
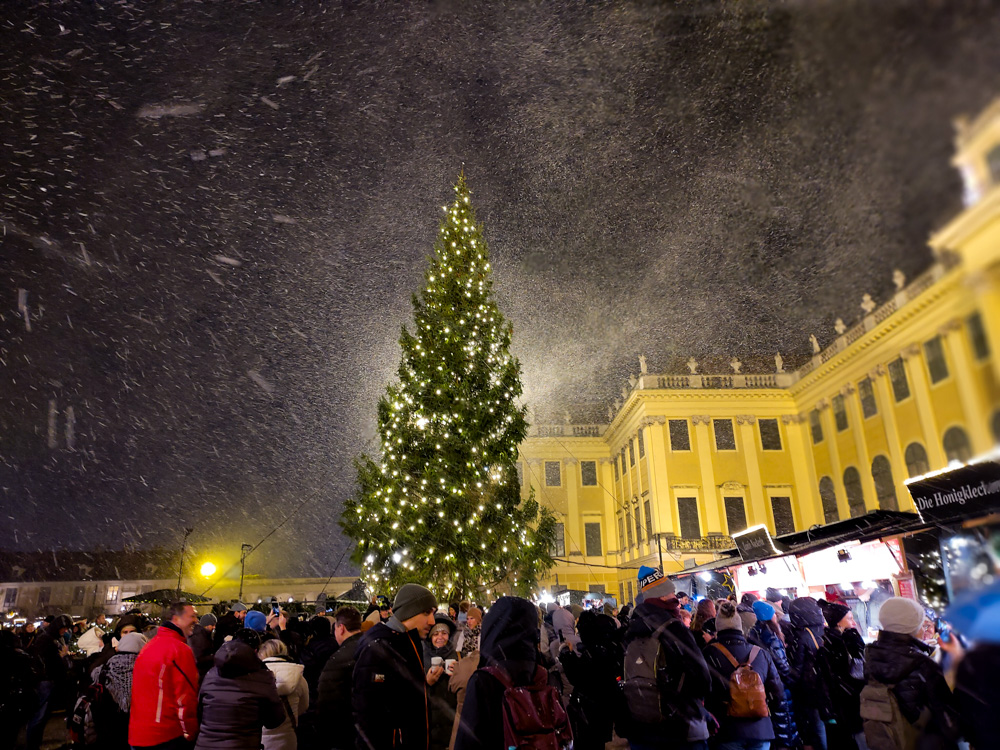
point(960, 494)
point(755, 543)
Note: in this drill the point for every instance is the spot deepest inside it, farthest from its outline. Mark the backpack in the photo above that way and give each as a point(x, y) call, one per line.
point(533, 715)
point(80, 723)
point(653, 685)
point(747, 699)
point(885, 726)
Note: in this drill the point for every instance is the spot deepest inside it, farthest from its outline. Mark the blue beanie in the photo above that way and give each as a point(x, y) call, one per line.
point(986, 628)
point(652, 584)
point(763, 610)
point(255, 621)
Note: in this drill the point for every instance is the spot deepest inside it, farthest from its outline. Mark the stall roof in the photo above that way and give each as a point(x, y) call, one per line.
point(873, 525)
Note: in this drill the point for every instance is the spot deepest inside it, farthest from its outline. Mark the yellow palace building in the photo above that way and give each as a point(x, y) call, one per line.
point(687, 460)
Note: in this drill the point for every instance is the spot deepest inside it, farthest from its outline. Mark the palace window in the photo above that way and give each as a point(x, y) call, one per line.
point(869, 407)
point(839, 413)
point(687, 514)
point(642, 445)
point(638, 524)
point(588, 473)
point(855, 494)
point(770, 434)
point(631, 453)
point(736, 514)
point(784, 521)
point(828, 497)
point(621, 532)
point(916, 460)
point(977, 336)
point(885, 488)
point(553, 474)
point(815, 426)
point(897, 376)
point(111, 597)
point(937, 366)
point(10, 597)
point(680, 438)
point(615, 462)
point(628, 527)
point(956, 445)
point(649, 520)
point(559, 543)
point(725, 440)
point(592, 538)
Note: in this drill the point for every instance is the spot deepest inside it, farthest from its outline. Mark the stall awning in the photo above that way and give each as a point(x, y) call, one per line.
point(874, 525)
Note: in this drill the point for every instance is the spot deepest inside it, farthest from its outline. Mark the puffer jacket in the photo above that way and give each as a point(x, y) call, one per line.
point(904, 662)
point(293, 690)
point(786, 732)
point(237, 700)
point(164, 690)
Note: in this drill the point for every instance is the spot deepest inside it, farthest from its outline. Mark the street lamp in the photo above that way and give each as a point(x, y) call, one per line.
point(245, 550)
point(208, 570)
point(180, 566)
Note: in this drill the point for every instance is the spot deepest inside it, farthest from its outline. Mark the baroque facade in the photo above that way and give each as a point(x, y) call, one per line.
point(688, 460)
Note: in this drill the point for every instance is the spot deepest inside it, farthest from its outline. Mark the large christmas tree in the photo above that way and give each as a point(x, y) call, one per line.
point(442, 507)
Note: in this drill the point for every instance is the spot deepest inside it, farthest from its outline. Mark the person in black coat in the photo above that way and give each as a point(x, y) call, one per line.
point(322, 645)
point(390, 687)
point(202, 645)
point(53, 653)
point(509, 641)
point(766, 633)
point(237, 700)
point(329, 720)
point(841, 659)
point(812, 706)
point(442, 701)
point(898, 658)
point(730, 637)
point(593, 668)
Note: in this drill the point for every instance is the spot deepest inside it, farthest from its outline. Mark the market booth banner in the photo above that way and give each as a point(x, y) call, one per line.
point(963, 493)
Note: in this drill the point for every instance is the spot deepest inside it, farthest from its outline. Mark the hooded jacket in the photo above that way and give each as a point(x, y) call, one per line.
point(441, 700)
point(509, 641)
point(237, 700)
point(805, 682)
point(201, 645)
point(594, 668)
point(46, 648)
point(164, 690)
point(735, 729)
point(688, 724)
point(293, 690)
point(390, 699)
point(904, 662)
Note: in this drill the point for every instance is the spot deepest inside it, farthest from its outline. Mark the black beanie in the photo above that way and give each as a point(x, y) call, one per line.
point(411, 600)
point(834, 612)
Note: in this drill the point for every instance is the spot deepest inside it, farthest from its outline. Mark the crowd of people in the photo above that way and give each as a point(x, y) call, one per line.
point(726, 674)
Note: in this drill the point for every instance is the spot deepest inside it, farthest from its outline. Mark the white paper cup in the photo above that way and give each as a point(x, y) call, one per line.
point(436, 661)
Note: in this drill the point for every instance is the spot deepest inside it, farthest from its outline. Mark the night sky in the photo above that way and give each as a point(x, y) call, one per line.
point(218, 212)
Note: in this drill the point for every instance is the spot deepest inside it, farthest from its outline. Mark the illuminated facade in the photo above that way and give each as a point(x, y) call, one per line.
point(687, 460)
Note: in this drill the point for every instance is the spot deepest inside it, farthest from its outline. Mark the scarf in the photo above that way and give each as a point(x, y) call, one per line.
point(119, 679)
point(471, 641)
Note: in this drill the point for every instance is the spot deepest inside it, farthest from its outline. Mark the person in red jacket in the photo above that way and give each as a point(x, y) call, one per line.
point(165, 686)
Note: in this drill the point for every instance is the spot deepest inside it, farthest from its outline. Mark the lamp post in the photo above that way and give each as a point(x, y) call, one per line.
point(244, 551)
point(180, 566)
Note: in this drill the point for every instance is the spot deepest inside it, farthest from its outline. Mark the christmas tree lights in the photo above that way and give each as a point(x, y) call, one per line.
point(442, 506)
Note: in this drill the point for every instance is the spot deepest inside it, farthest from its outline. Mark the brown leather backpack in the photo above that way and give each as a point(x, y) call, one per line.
point(747, 699)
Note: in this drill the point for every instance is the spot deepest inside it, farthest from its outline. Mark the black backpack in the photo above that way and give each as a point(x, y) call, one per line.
point(654, 677)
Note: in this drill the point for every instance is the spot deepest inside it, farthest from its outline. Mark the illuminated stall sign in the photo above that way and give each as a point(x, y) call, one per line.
point(755, 543)
point(963, 493)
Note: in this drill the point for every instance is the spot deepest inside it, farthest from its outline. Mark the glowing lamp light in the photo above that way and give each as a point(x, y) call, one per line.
point(208, 570)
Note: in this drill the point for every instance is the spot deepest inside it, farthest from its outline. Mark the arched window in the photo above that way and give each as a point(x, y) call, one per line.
point(995, 426)
point(829, 499)
point(885, 488)
point(956, 445)
point(855, 495)
point(916, 460)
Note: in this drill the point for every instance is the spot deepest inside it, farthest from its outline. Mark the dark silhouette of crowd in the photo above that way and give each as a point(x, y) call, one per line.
point(725, 674)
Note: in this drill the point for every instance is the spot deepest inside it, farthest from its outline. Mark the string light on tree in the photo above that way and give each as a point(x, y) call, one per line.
point(450, 429)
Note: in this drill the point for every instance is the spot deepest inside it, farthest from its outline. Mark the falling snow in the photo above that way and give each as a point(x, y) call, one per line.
point(214, 215)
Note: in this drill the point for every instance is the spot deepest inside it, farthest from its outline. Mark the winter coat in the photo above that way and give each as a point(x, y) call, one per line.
point(509, 641)
point(735, 729)
point(977, 693)
point(201, 645)
point(806, 684)
point(46, 647)
point(441, 700)
point(315, 655)
point(902, 661)
point(836, 657)
point(228, 624)
point(689, 721)
point(237, 700)
point(786, 732)
point(564, 629)
point(164, 690)
point(390, 690)
point(594, 668)
point(294, 694)
point(333, 701)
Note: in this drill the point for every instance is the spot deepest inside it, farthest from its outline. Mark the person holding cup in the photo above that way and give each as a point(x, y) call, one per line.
point(440, 658)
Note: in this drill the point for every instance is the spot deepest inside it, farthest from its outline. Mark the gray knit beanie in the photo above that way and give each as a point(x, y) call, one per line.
point(411, 600)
